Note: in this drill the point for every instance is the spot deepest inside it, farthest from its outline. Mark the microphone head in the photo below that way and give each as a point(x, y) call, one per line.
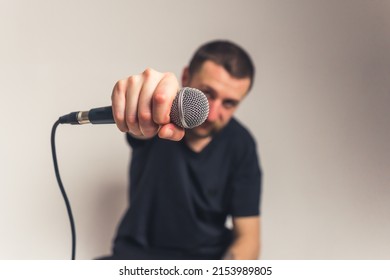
point(190, 108)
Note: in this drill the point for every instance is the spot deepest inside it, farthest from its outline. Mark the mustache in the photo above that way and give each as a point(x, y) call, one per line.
point(211, 130)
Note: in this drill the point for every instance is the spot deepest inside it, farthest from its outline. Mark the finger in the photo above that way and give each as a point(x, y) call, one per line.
point(118, 99)
point(171, 132)
point(134, 86)
point(165, 92)
point(151, 79)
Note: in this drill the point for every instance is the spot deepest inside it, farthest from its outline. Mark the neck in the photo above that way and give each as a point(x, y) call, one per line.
point(197, 144)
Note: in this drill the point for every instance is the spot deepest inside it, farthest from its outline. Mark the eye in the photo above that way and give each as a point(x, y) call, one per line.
point(207, 94)
point(230, 104)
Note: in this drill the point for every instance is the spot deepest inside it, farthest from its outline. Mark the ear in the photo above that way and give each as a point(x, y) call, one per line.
point(185, 78)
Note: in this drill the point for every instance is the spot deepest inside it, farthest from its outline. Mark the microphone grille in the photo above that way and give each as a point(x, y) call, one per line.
point(190, 108)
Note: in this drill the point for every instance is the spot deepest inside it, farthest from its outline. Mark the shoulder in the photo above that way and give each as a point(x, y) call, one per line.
point(238, 133)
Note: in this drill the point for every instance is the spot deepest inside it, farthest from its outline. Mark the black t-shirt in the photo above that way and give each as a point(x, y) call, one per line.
point(180, 199)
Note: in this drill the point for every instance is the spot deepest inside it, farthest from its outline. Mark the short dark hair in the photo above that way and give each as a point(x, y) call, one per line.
point(234, 59)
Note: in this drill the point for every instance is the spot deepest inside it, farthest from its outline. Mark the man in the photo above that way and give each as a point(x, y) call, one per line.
point(185, 183)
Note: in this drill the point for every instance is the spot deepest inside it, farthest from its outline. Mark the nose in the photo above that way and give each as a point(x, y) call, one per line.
point(214, 107)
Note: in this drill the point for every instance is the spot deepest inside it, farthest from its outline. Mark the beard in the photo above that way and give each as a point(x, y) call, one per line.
point(205, 130)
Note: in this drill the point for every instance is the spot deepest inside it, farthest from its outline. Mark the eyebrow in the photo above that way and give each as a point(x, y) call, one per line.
point(214, 92)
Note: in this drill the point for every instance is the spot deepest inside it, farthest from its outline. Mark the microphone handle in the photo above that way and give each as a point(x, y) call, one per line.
point(102, 115)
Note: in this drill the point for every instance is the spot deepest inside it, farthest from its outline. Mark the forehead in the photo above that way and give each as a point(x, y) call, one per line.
point(219, 80)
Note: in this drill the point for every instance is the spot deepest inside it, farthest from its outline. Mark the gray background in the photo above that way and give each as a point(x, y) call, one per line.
point(319, 111)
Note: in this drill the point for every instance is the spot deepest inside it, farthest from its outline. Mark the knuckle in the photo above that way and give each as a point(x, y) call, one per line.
point(148, 72)
point(133, 80)
point(118, 117)
point(169, 75)
point(131, 120)
point(172, 77)
point(120, 86)
point(145, 117)
point(160, 97)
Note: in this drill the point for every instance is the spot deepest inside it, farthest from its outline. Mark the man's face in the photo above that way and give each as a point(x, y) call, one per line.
point(223, 91)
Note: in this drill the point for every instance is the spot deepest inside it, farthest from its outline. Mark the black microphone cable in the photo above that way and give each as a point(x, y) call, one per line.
point(59, 181)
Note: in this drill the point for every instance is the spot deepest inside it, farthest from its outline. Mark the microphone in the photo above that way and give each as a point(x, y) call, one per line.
point(190, 108)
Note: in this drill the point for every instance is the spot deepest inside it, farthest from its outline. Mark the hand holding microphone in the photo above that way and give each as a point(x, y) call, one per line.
point(148, 104)
point(141, 105)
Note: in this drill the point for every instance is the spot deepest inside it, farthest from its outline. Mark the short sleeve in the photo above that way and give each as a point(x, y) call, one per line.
point(246, 183)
